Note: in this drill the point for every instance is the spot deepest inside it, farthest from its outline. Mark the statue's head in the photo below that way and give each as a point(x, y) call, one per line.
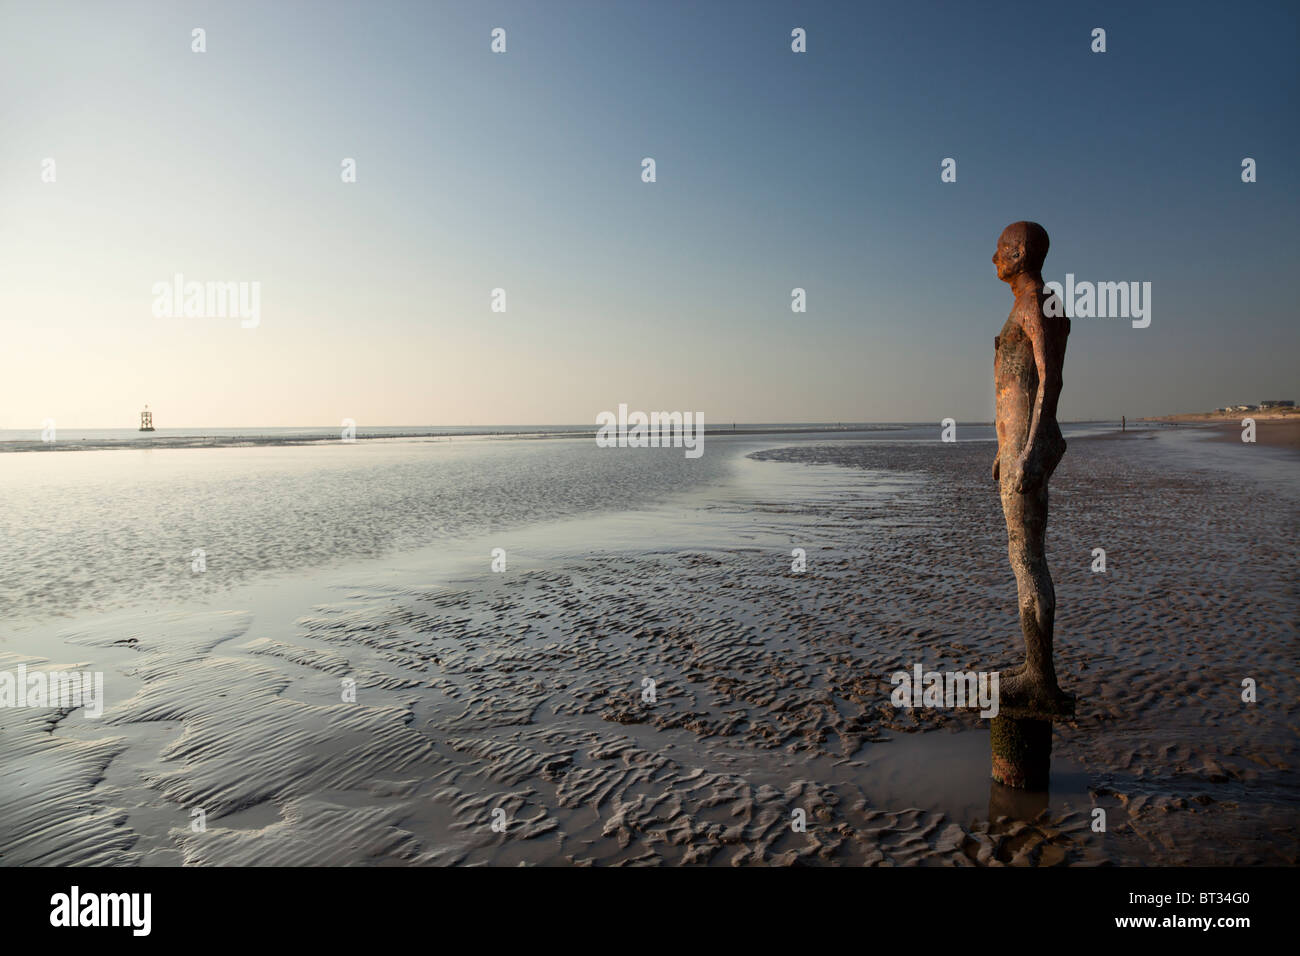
point(1022, 247)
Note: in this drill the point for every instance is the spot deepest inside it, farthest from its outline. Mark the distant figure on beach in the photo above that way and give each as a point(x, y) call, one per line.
point(1027, 361)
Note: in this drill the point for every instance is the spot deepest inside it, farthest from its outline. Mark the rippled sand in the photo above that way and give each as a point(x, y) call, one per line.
point(522, 692)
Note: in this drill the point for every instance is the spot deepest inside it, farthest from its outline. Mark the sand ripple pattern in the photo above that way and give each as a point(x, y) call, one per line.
point(519, 700)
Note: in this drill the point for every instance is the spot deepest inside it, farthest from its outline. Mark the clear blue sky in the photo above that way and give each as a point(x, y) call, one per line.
point(522, 171)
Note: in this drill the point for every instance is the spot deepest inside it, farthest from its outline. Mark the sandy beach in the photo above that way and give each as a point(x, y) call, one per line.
point(1284, 433)
point(1272, 427)
point(518, 698)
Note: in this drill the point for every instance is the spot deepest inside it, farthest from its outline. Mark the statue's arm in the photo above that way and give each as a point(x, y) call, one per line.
point(1047, 338)
point(997, 438)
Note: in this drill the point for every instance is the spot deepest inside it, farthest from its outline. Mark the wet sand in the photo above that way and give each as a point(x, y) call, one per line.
point(1281, 434)
point(522, 692)
point(1277, 429)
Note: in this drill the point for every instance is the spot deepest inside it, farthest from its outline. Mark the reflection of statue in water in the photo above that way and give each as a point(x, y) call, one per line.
point(1028, 356)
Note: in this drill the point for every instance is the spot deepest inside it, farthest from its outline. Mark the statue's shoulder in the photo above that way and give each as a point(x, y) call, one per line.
point(1036, 309)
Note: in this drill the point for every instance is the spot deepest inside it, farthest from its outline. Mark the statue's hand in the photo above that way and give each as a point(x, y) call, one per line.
point(997, 470)
point(1029, 474)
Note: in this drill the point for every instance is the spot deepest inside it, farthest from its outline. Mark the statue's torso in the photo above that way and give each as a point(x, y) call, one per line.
point(1015, 377)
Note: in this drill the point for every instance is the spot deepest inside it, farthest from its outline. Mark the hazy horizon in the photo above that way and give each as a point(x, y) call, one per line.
point(361, 427)
point(522, 170)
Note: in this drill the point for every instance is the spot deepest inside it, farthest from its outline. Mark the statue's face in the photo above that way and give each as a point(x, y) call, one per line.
point(1010, 254)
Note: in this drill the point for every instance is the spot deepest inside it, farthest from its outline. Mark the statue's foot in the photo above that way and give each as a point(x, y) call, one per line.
point(1024, 693)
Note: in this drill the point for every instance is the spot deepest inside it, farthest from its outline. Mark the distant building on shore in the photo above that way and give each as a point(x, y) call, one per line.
point(1277, 403)
point(146, 420)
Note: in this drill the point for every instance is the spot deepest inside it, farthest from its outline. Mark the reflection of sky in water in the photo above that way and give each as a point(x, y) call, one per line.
point(949, 772)
point(86, 529)
point(1199, 448)
point(91, 529)
point(95, 529)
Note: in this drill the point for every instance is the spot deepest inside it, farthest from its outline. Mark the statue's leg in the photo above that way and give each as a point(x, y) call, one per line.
point(1034, 584)
point(1035, 684)
point(1013, 511)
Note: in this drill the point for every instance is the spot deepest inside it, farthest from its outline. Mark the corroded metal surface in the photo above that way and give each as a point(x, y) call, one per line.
point(1028, 356)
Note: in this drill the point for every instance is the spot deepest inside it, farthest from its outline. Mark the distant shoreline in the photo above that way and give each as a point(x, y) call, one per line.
point(1266, 415)
point(1274, 427)
point(254, 437)
point(257, 439)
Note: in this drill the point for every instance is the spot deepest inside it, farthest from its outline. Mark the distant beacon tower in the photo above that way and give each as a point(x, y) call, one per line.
point(146, 420)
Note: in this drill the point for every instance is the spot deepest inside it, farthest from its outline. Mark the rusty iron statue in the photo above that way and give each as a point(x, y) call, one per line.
point(1028, 356)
